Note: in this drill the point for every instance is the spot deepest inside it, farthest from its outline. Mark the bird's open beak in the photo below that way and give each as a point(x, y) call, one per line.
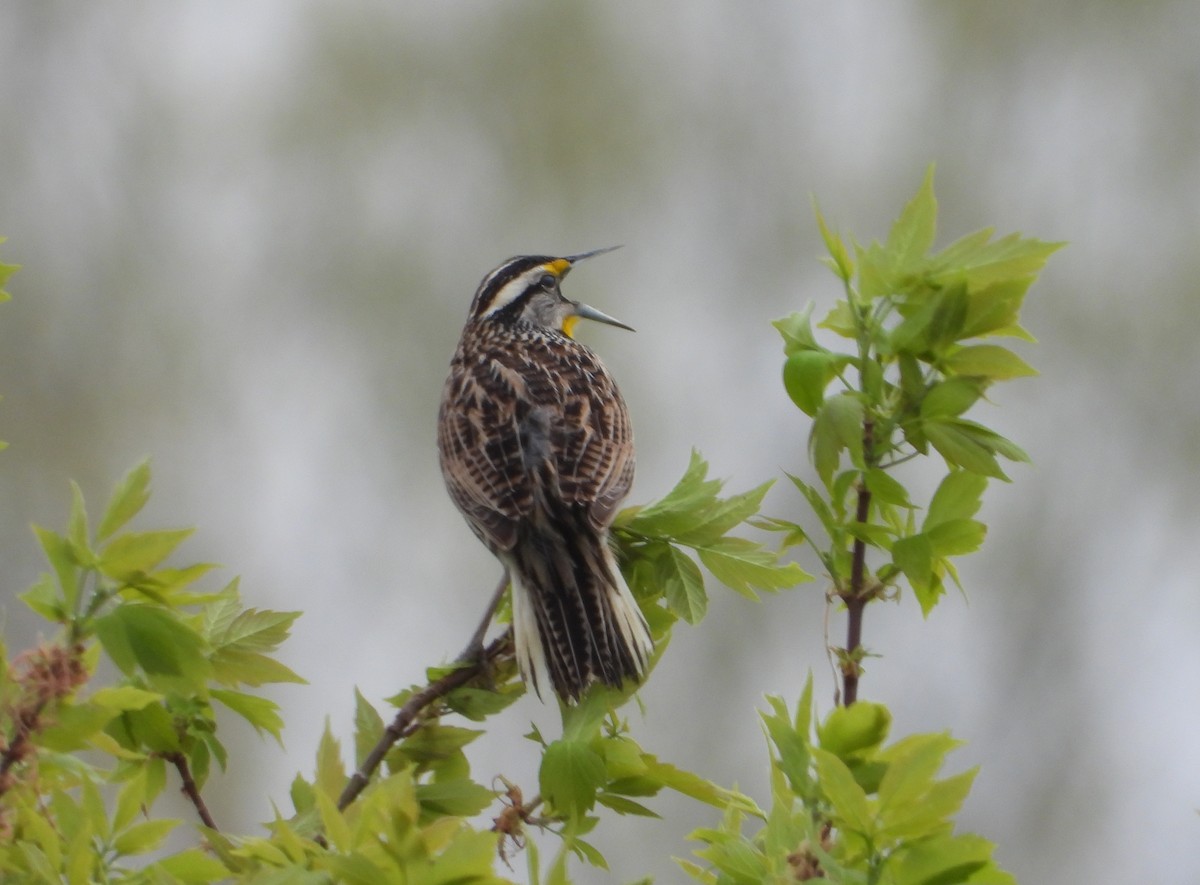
point(583, 312)
point(594, 252)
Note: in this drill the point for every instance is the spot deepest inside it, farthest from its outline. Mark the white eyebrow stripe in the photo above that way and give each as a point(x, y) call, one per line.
point(514, 289)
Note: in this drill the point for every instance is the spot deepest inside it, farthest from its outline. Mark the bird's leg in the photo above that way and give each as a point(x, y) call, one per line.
point(474, 650)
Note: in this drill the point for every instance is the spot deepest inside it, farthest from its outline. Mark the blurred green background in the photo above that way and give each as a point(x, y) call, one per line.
point(250, 234)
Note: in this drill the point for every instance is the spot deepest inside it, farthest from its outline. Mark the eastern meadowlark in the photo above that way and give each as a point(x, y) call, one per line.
point(537, 452)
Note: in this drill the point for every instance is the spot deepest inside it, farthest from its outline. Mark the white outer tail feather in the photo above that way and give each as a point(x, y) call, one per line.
point(530, 652)
point(634, 629)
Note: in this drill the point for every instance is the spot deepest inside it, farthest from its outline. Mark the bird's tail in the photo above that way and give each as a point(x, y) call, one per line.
point(574, 619)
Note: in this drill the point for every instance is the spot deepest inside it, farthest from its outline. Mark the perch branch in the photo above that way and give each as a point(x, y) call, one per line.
point(408, 716)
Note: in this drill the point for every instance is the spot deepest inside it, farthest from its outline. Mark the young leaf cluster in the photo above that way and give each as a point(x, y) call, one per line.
point(655, 541)
point(179, 654)
point(597, 762)
point(410, 825)
point(920, 326)
point(845, 808)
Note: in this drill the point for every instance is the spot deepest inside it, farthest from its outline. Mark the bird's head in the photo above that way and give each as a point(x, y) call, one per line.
point(526, 289)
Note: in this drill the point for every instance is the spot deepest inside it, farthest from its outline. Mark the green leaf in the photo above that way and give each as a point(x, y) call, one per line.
point(912, 234)
point(77, 527)
point(570, 776)
point(988, 361)
point(683, 585)
point(581, 721)
point(131, 799)
point(675, 511)
point(167, 650)
point(623, 805)
point(791, 743)
point(354, 869)
point(368, 727)
point(259, 712)
point(221, 612)
point(459, 797)
point(132, 554)
point(61, 558)
point(995, 310)
point(806, 374)
point(739, 862)
point(841, 320)
point(982, 263)
point(912, 764)
point(931, 812)
point(840, 262)
point(428, 746)
point(150, 729)
point(193, 867)
point(940, 860)
point(92, 805)
point(955, 537)
point(693, 785)
point(951, 397)
point(961, 448)
point(75, 726)
point(992, 441)
point(934, 325)
point(885, 488)
point(331, 772)
point(144, 837)
point(950, 309)
point(623, 758)
point(838, 426)
point(741, 565)
point(81, 860)
point(793, 533)
point(333, 822)
point(234, 667)
point(124, 697)
point(254, 630)
point(958, 496)
point(817, 502)
point(45, 600)
point(720, 516)
point(914, 557)
point(849, 801)
point(796, 329)
point(477, 704)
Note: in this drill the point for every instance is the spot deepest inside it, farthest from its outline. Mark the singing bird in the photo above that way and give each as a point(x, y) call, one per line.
point(537, 452)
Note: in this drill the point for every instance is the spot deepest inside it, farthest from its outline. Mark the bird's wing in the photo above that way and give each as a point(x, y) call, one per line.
point(546, 422)
point(592, 442)
point(480, 449)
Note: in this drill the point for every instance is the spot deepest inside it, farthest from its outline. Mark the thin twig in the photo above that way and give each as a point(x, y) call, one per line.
point(474, 647)
point(190, 789)
point(408, 716)
point(856, 596)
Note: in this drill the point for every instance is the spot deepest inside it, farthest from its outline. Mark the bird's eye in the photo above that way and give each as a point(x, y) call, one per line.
point(548, 281)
